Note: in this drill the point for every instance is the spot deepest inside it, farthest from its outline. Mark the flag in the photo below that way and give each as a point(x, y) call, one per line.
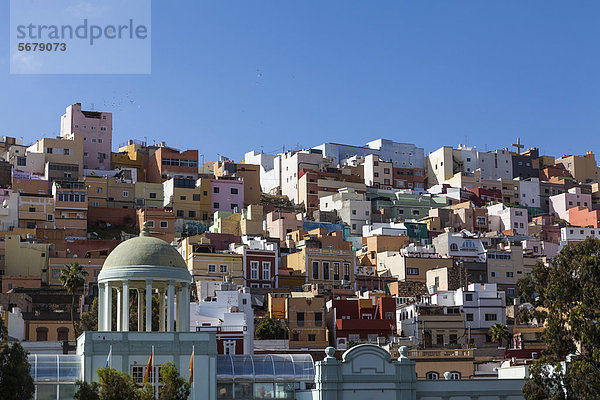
point(108, 358)
point(191, 367)
point(148, 368)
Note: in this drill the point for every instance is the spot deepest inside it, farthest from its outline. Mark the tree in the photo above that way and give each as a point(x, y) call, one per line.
point(86, 391)
point(3, 331)
point(117, 385)
point(174, 386)
point(270, 328)
point(498, 333)
point(565, 300)
point(72, 278)
point(16, 382)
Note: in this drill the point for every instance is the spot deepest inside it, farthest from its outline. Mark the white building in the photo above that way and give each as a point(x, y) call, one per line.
point(384, 229)
point(230, 315)
point(560, 204)
point(402, 155)
point(530, 192)
point(270, 169)
point(573, 234)
point(14, 323)
point(292, 163)
point(510, 218)
point(350, 206)
point(462, 245)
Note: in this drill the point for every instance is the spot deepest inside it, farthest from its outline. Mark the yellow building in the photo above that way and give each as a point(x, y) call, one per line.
point(582, 168)
point(149, 195)
point(131, 156)
point(36, 211)
point(189, 199)
point(433, 364)
point(96, 191)
point(63, 150)
point(71, 208)
point(24, 258)
point(323, 266)
point(206, 265)
point(248, 222)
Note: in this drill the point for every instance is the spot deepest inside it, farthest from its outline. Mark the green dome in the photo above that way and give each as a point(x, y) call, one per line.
point(144, 250)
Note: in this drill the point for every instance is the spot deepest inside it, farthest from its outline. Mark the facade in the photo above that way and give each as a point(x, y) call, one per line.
point(261, 263)
point(561, 203)
point(161, 223)
point(582, 168)
point(95, 128)
point(63, 157)
point(370, 320)
point(71, 208)
point(432, 326)
point(509, 218)
point(290, 166)
point(413, 267)
point(329, 268)
point(166, 163)
point(506, 267)
point(280, 224)
point(250, 175)
point(313, 185)
point(188, 198)
point(351, 206)
point(36, 211)
point(230, 316)
point(460, 246)
point(226, 195)
point(149, 195)
point(306, 320)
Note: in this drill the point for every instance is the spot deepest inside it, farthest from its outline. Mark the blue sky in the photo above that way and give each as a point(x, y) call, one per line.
point(230, 77)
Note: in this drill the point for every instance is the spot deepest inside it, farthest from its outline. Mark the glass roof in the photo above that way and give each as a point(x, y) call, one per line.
point(55, 367)
point(266, 367)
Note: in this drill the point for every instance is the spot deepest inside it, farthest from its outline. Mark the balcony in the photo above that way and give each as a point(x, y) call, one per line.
point(441, 354)
point(222, 328)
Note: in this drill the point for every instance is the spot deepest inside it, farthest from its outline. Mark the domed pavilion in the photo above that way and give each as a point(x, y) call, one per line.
point(149, 266)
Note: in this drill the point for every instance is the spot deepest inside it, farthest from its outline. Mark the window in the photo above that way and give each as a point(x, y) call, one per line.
point(346, 271)
point(367, 316)
point(336, 271)
point(49, 150)
point(234, 206)
point(318, 319)
point(164, 224)
point(150, 223)
point(216, 205)
point(491, 317)
point(510, 274)
point(468, 296)
point(229, 347)
point(300, 318)
point(212, 268)
point(125, 193)
point(50, 217)
point(353, 212)
point(266, 271)
point(326, 270)
point(180, 213)
point(453, 339)
point(41, 334)
point(455, 376)
point(152, 195)
point(389, 315)
point(62, 334)
point(312, 337)
point(95, 204)
point(234, 191)
point(315, 270)
point(432, 376)
point(295, 337)
point(216, 189)
point(493, 274)
point(454, 247)
point(55, 273)
point(21, 161)
point(253, 269)
point(223, 268)
point(196, 197)
point(192, 214)
point(469, 316)
point(412, 271)
point(99, 140)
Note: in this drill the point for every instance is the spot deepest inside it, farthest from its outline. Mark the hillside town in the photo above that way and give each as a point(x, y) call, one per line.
point(417, 252)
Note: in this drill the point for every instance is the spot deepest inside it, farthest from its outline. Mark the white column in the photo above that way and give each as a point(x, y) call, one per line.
point(101, 307)
point(108, 307)
point(161, 312)
point(118, 309)
point(171, 307)
point(180, 317)
point(185, 307)
point(139, 306)
point(125, 306)
point(149, 305)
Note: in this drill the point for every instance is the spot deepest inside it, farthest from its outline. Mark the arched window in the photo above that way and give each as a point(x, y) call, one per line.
point(454, 375)
point(454, 247)
point(62, 334)
point(41, 334)
point(432, 375)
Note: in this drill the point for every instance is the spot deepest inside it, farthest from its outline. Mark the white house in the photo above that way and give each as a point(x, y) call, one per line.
point(510, 218)
point(350, 206)
point(560, 204)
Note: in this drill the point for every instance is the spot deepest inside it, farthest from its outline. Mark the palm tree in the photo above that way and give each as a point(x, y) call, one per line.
point(498, 332)
point(73, 279)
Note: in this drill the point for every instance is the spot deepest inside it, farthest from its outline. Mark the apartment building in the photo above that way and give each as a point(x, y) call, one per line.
point(165, 163)
point(329, 268)
point(506, 267)
point(432, 326)
point(160, 222)
point(71, 208)
point(409, 264)
point(582, 168)
point(36, 211)
point(305, 315)
point(503, 218)
point(149, 195)
point(561, 203)
point(188, 198)
point(462, 246)
point(63, 157)
point(350, 206)
point(261, 263)
point(280, 224)
point(313, 185)
point(250, 175)
point(227, 195)
point(132, 154)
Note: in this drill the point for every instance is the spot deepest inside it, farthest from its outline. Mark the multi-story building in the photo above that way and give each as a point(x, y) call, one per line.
point(250, 175)
point(410, 263)
point(290, 166)
point(462, 246)
point(166, 163)
point(261, 262)
point(226, 195)
point(63, 156)
point(329, 268)
point(375, 244)
point(503, 218)
point(582, 168)
point(9, 211)
point(483, 305)
point(95, 128)
point(209, 268)
point(401, 205)
point(280, 224)
point(570, 235)
point(350, 206)
point(188, 198)
point(23, 160)
point(506, 267)
point(378, 173)
point(561, 203)
point(305, 314)
point(132, 154)
point(36, 211)
point(248, 222)
point(363, 320)
point(149, 195)
point(269, 168)
point(432, 326)
point(313, 185)
point(160, 222)
point(230, 315)
point(24, 260)
point(71, 208)
point(583, 216)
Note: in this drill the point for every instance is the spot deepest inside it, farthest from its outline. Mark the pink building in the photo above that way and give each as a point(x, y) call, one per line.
point(96, 128)
point(279, 224)
point(227, 195)
point(560, 204)
point(503, 218)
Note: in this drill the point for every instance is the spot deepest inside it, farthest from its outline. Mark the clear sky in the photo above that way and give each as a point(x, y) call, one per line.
point(232, 76)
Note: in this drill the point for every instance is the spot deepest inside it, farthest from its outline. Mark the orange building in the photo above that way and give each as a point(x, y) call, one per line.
point(166, 163)
point(160, 222)
point(584, 217)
